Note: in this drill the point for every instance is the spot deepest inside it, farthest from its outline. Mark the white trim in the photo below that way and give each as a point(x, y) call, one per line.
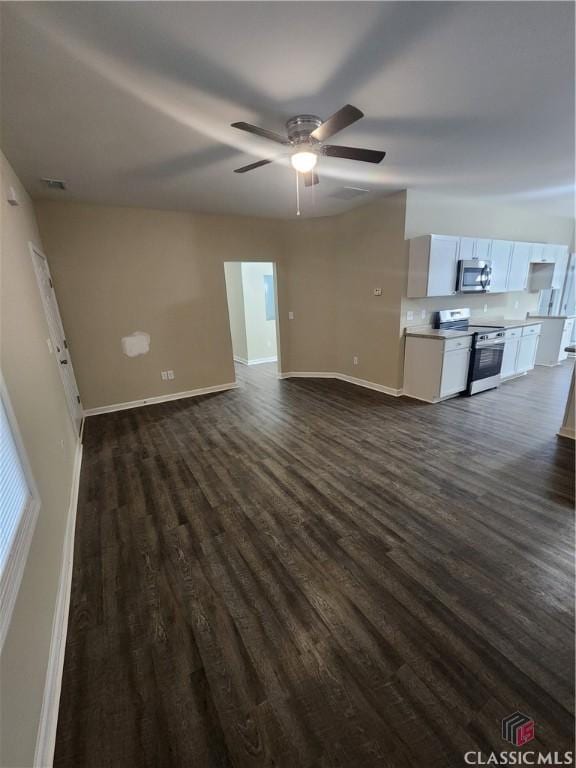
point(159, 399)
point(567, 432)
point(46, 736)
point(342, 377)
point(14, 569)
point(260, 360)
point(240, 360)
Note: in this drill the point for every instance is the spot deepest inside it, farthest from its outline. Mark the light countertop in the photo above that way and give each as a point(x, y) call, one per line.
point(551, 317)
point(507, 322)
point(434, 333)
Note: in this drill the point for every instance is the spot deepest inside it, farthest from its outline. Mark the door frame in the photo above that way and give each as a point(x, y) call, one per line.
point(71, 393)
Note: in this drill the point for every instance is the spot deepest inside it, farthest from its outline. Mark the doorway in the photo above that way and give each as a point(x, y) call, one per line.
point(57, 340)
point(252, 310)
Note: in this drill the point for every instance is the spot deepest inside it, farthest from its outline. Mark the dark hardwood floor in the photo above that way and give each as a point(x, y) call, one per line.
point(303, 573)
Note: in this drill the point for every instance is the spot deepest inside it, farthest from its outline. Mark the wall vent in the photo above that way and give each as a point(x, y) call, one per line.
point(348, 193)
point(54, 184)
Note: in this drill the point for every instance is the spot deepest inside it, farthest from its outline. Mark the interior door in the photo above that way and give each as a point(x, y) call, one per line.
point(57, 337)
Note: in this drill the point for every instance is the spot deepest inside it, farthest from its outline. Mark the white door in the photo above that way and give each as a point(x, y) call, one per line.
point(509, 358)
point(57, 336)
point(454, 371)
point(500, 255)
point(519, 264)
point(442, 265)
point(526, 353)
point(482, 249)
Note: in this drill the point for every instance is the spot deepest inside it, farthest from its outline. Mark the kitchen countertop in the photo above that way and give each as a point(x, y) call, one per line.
point(551, 317)
point(508, 322)
point(435, 333)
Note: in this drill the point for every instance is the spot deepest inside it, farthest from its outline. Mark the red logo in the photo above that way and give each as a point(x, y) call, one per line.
point(518, 729)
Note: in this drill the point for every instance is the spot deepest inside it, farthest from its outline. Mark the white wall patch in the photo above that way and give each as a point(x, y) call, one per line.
point(138, 343)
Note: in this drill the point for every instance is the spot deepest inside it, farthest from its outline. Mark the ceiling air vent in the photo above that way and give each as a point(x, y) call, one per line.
point(349, 193)
point(54, 184)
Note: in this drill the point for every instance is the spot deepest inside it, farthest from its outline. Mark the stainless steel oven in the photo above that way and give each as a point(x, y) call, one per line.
point(473, 276)
point(486, 360)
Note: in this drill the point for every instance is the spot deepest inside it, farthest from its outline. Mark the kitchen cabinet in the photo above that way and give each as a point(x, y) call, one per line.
point(500, 255)
point(436, 368)
point(474, 248)
point(556, 335)
point(519, 265)
point(520, 350)
point(526, 354)
point(432, 266)
point(560, 267)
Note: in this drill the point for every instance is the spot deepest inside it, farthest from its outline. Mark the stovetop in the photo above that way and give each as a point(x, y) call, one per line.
point(485, 328)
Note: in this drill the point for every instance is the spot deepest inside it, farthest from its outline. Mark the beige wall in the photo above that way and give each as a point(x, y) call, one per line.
point(119, 270)
point(427, 214)
point(37, 396)
point(235, 296)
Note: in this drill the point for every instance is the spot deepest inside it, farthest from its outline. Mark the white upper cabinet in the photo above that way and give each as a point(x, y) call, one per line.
point(500, 255)
point(474, 248)
point(432, 266)
point(519, 265)
point(560, 266)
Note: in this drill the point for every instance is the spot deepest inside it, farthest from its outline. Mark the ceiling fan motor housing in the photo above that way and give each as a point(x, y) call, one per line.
point(300, 127)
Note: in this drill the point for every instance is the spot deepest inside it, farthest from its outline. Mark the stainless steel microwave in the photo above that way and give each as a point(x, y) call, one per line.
point(473, 276)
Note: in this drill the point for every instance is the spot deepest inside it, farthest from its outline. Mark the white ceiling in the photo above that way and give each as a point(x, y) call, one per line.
point(131, 102)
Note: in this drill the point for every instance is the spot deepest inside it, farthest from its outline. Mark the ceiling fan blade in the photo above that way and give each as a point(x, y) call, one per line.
point(263, 132)
point(310, 179)
point(252, 166)
point(354, 153)
point(339, 120)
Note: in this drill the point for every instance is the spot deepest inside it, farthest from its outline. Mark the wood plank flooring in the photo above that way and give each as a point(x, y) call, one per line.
point(305, 574)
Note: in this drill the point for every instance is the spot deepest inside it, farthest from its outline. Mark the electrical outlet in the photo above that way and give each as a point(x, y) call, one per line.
point(164, 375)
point(423, 314)
point(377, 291)
point(355, 360)
point(516, 304)
point(170, 374)
point(290, 315)
point(409, 315)
point(485, 307)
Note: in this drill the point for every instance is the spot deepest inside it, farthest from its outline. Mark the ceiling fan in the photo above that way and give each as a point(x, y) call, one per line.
point(305, 138)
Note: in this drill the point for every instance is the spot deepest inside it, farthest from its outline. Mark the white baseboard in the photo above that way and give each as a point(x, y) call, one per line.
point(159, 399)
point(46, 737)
point(342, 377)
point(255, 361)
point(260, 360)
point(567, 432)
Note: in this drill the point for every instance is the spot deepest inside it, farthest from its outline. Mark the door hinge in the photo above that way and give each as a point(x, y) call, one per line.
point(65, 344)
point(51, 283)
point(78, 398)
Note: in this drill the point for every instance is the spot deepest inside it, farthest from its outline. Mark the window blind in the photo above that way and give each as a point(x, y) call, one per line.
point(14, 491)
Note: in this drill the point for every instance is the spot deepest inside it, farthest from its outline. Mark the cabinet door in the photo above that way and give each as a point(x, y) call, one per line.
point(519, 264)
point(442, 265)
point(466, 248)
point(560, 266)
point(526, 353)
point(454, 372)
point(500, 255)
point(509, 358)
point(537, 252)
point(482, 249)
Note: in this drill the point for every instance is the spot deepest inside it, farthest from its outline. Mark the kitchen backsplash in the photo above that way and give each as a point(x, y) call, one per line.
point(498, 305)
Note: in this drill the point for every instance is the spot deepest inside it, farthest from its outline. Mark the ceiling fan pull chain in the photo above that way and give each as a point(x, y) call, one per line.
point(297, 195)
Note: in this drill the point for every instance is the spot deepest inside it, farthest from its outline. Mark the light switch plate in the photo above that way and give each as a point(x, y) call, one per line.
point(409, 315)
point(377, 291)
point(290, 315)
point(164, 375)
point(170, 374)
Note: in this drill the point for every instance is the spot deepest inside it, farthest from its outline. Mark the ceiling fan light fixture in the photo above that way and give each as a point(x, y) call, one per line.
point(304, 162)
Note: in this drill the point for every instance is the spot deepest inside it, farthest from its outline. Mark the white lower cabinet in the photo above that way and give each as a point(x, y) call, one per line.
point(556, 335)
point(436, 368)
point(520, 350)
point(454, 372)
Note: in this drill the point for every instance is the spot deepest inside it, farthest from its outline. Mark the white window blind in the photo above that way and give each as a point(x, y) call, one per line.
point(15, 495)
